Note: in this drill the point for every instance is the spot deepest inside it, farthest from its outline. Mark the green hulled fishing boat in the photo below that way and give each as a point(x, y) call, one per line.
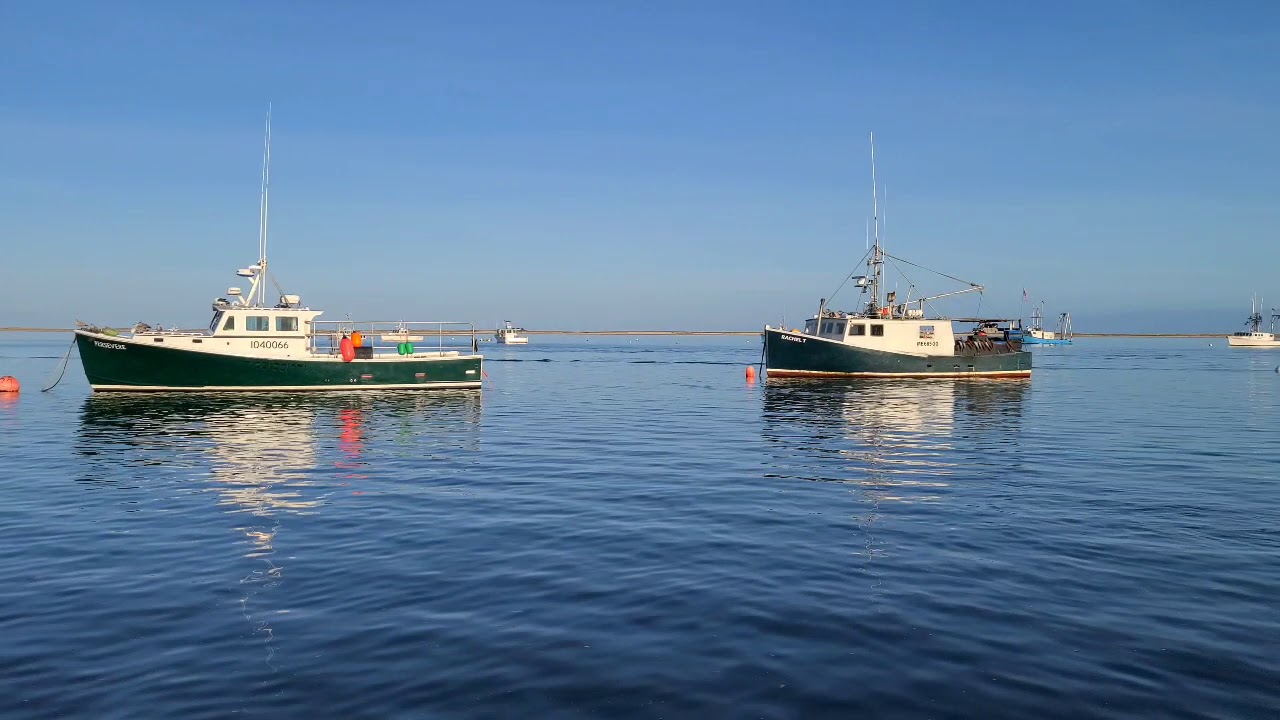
point(254, 344)
point(884, 337)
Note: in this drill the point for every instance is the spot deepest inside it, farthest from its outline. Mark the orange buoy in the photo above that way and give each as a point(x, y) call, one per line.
point(751, 372)
point(348, 350)
point(9, 384)
point(357, 340)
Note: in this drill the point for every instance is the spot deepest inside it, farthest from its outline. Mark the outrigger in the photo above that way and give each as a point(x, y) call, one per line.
point(893, 339)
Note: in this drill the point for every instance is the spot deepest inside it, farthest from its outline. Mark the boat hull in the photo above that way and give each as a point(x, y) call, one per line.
point(1032, 340)
point(789, 354)
point(1252, 342)
point(114, 364)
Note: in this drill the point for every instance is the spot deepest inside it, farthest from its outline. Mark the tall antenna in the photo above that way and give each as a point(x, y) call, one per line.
point(875, 215)
point(263, 207)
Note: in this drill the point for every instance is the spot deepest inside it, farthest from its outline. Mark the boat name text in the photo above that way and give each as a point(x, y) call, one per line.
point(269, 345)
point(108, 346)
point(792, 338)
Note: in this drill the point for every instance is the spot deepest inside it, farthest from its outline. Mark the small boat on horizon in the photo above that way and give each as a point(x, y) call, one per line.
point(1255, 337)
point(1037, 335)
point(509, 334)
point(889, 338)
point(252, 344)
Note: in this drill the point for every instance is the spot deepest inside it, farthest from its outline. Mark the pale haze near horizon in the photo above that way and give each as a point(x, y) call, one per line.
point(666, 166)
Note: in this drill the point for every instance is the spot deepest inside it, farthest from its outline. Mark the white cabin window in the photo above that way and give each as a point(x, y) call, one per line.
point(286, 324)
point(877, 330)
point(230, 324)
point(857, 329)
point(257, 323)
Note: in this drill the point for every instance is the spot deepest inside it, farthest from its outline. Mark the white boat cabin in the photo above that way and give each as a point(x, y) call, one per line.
point(241, 330)
point(903, 335)
point(261, 322)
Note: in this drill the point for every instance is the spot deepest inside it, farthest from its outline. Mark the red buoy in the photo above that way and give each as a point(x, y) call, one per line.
point(348, 350)
point(9, 384)
point(751, 373)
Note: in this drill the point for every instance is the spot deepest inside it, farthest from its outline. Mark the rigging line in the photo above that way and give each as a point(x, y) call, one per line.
point(63, 371)
point(910, 285)
point(925, 302)
point(847, 277)
point(949, 277)
point(929, 302)
point(275, 282)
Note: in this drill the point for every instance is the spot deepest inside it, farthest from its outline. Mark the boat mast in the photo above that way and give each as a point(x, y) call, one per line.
point(263, 209)
point(876, 261)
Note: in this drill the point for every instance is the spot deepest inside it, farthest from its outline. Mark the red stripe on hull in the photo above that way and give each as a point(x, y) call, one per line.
point(974, 375)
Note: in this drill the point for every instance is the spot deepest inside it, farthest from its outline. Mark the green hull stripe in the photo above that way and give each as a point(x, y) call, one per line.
point(952, 374)
point(283, 388)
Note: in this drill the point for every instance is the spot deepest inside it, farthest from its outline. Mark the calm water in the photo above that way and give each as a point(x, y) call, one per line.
point(628, 529)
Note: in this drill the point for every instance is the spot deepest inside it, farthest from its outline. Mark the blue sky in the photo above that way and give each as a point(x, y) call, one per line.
point(594, 165)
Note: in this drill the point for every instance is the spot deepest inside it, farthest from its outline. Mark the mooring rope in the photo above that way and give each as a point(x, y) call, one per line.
point(63, 371)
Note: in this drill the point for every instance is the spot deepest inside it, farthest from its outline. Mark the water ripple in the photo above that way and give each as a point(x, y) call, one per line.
point(600, 535)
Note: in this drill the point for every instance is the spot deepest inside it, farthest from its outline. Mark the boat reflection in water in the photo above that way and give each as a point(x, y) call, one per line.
point(267, 456)
point(901, 446)
point(897, 440)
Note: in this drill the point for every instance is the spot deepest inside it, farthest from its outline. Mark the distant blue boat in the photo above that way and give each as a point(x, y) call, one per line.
point(1037, 335)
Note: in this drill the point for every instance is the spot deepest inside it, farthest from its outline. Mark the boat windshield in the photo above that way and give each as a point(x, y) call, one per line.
point(213, 324)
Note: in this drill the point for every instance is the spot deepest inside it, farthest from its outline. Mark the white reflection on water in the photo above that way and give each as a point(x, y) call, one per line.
point(267, 456)
point(898, 443)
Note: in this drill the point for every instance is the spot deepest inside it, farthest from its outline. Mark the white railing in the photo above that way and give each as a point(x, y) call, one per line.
point(384, 337)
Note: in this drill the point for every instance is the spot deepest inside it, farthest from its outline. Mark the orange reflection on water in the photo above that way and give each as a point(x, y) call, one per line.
point(351, 441)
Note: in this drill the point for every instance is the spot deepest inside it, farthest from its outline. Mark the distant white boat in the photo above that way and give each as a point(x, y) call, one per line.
point(1255, 337)
point(1037, 335)
point(510, 335)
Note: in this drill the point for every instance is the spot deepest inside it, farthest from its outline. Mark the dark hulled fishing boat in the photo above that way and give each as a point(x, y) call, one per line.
point(254, 344)
point(888, 338)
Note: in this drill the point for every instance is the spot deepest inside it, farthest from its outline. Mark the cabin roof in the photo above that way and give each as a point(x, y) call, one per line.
point(255, 309)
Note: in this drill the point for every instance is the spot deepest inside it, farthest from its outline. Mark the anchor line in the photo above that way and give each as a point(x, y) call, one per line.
point(63, 371)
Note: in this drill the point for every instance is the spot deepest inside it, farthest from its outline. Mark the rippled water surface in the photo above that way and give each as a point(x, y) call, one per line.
point(629, 529)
